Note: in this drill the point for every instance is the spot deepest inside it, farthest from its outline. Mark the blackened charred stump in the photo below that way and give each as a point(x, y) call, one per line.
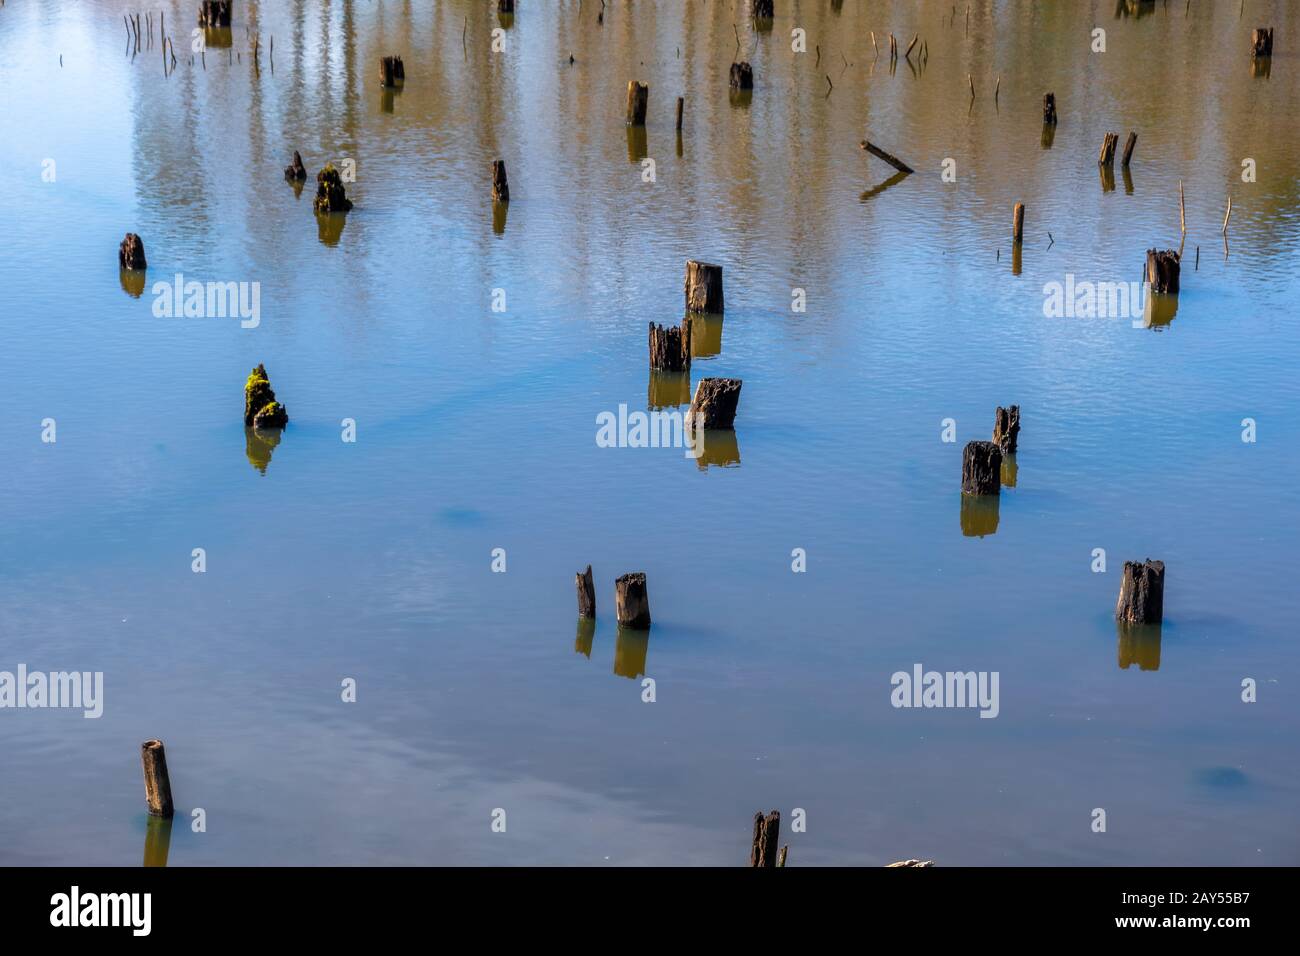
point(330, 194)
point(670, 347)
point(742, 76)
point(214, 13)
point(1006, 429)
point(586, 593)
point(638, 97)
point(1261, 43)
point(714, 404)
point(1128, 148)
point(767, 833)
point(1141, 593)
point(1049, 109)
point(632, 601)
point(130, 254)
point(1018, 223)
point(1163, 267)
point(295, 171)
point(261, 410)
point(391, 71)
point(981, 468)
point(157, 785)
point(703, 287)
point(500, 184)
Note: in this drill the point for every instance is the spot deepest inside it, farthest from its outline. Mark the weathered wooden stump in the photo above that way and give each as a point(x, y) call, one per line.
point(261, 410)
point(781, 857)
point(1107, 155)
point(632, 602)
point(704, 287)
point(714, 404)
point(330, 194)
point(505, 6)
point(1141, 593)
point(670, 347)
point(767, 833)
point(742, 76)
point(130, 254)
point(1006, 429)
point(295, 171)
point(764, 9)
point(1163, 267)
point(157, 785)
point(1018, 223)
point(681, 106)
point(391, 71)
point(638, 97)
point(500, 184)
point(1049, 109)
point(1261, 42)
point(1128, 148)
point(981, 469)
point(586, 593)
point(214, 13)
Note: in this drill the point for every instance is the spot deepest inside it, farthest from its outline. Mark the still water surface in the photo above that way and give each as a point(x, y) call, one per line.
point(475, 431)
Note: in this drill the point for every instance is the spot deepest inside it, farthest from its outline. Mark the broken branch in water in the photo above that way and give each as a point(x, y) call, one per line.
point(887, 157)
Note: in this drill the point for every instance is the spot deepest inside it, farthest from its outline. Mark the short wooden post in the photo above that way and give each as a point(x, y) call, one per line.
point(130, 254)
point(214, 13)
point(742, 76)
point(296, 171)
point(330, 194)
point(1163, 267)
point(681, 105)
point(767, 832)
point(780, 859)
point(1141, 593)
point(714, 404)
point(638, 96)
point(764, 9)
point(391, 71)
point(505, 6)
point(981, 469)
point(500, 184)
point(1128, 147)
point(1018, 223)
point(1006, 429)
point(632, 601)
point(1261, 43)
point(703, 287)
point(157, 785)
point(1107, 155)
point(670, 347)
point(1049, 109)
point(586, 593)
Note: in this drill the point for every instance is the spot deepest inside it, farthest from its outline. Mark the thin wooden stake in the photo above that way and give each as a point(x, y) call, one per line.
point(1182, 208)
point(1226, 216)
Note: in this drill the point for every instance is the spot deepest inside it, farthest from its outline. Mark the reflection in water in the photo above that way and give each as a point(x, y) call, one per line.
point(679, 144)
point(1261, 67)
point(1159, 309)
point(258, 445)
point(1139, 644)
point(222, 37)
point(1009, 470)
point(297, 187)
point(721, 448)
point(132, 281)
point(630, 649)
point(877, 190)
point(1015, 258)
point(507, 20)
point(637, 148)
point(1128, 182)
point(387, 97)
point(706, 334)
point(740, 99)
point(329, 226)
point(1107, 177)
point(157, 840)
point(979, 515)
point(669, 389)
point(499, 212)
point(1049, 135)
point(586, 636)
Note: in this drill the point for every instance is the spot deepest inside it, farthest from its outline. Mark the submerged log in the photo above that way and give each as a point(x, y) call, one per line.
point(130, 254)
point(714, 404)
point(391, 71)
point(1163, 268)
point(1006, 429)
point(1128, 148)
point(1107, 155)
point(295, 171)
point(981, 469)
point(330, 194)
point(1049, 109)
point(1018, 222)
point(586, 593)
point(500, 184)
point(670, 347)
point(638, 97)
point(214, 13)
point(632, 601)
point(767, 831)
point(703, 287)
point(157, 785)
point(879, 153)
point(1261, 43)
point(742, 76)
point(261, 410)
point(1141, 593)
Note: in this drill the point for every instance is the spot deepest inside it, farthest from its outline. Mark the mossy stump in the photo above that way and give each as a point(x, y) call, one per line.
point(330, 194)
point(742, 76)
point(295, 171)
point(670, 348)
point(130, 254)
point(981, 469)
point(1141, 593)
point(1006, 429)
point(714, 404)
point(632, 601)
point(261, 410)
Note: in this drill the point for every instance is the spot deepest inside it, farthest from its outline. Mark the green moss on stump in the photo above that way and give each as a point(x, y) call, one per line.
point(261, 410)
point(330, 195)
